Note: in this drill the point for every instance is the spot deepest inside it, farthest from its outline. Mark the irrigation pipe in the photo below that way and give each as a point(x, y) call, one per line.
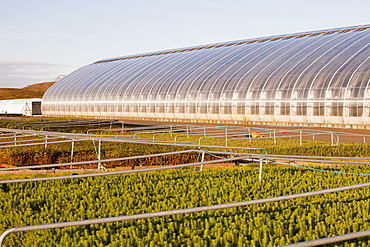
point(96, 161)
point(117, 172)
point(320, 170)
point(31, 140)
point(175, 212)
point(267, 157)
point(330, 240)
point(40, 143)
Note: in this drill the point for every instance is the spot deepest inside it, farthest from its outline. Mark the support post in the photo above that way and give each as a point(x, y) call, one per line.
point(46, 142)
point(72, 151)
point(249, 134)
point(226, 139)
point(274, 137)
point(332, 138)
point(260, 172)
point(99, 155)
point(300, 138)
point(15, 139)
point(202, 160)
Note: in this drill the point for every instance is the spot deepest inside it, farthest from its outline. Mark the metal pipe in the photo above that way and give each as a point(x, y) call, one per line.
point(118, 172)
point(332, 138)
point(19, 142)
point(46, 142)
point(72, 150)
point(40, 143)
point(202, 162)
point(99, 155)
point(330, 240)
point(260, 171)
point(226, 140)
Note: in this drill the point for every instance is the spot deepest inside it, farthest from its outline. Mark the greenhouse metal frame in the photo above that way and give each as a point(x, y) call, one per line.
point(307, 79)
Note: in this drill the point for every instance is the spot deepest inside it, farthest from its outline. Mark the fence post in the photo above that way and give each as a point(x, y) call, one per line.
point(99, 155)
point(72, 150)
point(332, 138)
point(260, 172)
point(226, 138)
point(46, 142)
point(202, 160)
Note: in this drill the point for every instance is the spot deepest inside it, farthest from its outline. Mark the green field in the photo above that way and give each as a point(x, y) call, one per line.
point(268, 224)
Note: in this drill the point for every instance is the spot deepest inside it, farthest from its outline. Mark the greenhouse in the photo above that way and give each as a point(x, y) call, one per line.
point(25, 107)
point(305, 79)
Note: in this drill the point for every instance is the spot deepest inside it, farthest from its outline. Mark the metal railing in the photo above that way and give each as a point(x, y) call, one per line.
point(219, 130)
point(331, 240)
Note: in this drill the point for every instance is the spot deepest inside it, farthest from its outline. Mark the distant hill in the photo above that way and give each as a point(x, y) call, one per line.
point(32, 91)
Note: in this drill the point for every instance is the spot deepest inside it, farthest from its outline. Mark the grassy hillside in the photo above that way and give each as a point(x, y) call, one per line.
point(31, 91)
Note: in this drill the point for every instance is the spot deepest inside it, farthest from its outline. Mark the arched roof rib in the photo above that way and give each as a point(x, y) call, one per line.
point(307, 77)
point(277, 37)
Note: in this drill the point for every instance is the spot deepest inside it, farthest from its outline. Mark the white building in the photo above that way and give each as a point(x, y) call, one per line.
point(25, 107)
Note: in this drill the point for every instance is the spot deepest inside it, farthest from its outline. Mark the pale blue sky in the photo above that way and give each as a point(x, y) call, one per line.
point(42, 39)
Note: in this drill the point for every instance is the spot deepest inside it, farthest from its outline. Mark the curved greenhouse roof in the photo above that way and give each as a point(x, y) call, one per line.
point(314, 78)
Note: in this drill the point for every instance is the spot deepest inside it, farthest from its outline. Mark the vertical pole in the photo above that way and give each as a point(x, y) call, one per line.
point(171, 129)
point(249, 134)
point(260, 173)
point(187, 131)
point(300, 138)
point(338, 139)
point(364, 139)
point(332, 138)
point(15, 139)
point(46, 142)
point(204, 130)
point(202, 160)
point(274, 137)
point(72, 150)
point(226, 139)
point(99, 152)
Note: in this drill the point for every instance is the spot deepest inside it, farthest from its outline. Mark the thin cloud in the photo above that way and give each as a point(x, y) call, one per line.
point(22, 73)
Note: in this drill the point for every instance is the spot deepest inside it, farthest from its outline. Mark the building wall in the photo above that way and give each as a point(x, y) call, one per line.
point(314, 78)
point(20, 107)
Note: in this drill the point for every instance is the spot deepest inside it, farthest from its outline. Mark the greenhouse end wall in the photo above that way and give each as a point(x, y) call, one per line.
point(307, 79)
